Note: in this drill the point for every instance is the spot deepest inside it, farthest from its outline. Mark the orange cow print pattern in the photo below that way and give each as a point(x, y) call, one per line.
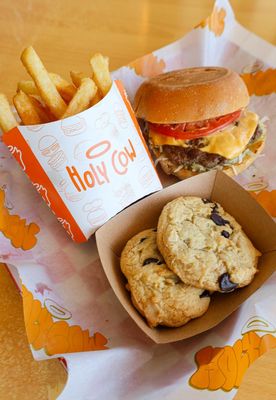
point(15, 229)
point(56, 337)
point(267, 199)
point(215, 21)
point(148, 66)
point(260, 83)
point(224, 367)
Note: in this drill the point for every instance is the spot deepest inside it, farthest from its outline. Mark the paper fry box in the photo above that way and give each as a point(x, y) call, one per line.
point(216, 186)
point(87, 167)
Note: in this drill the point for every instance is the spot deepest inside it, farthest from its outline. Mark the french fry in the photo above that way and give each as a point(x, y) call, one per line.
point(44, 114)
point(82, 99)
point(96, 98)
point(101, 75)
point(26, 110)
point(27, 87)
point(7, 119)
point(43, 82)
point(76, 77)
point(45, 97)
point(65, 89)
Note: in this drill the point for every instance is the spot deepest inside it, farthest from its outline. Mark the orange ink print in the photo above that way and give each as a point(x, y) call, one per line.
point(97, 173)
point(121, 159)
point(94, 175)
point(261, 82)
point(91, 153)
point(148, 66)
point(15, 229)
point(215, 21)
point(267, 199)
point(224, 367)
point(56, 337)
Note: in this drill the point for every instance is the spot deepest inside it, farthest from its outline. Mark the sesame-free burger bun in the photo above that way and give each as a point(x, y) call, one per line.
point(192, 94)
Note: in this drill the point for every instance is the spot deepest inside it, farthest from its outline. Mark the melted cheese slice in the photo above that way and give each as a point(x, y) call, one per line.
point(230, 142)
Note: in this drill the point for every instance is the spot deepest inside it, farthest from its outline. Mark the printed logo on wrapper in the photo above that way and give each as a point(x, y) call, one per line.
point(17, 155)
point(224, 367)
point(87, 167)
point(43, 193)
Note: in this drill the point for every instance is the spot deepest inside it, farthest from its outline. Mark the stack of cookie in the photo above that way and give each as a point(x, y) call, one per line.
point(196, 249)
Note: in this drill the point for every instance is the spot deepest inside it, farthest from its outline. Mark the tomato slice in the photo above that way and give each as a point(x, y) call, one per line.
point(194, 130)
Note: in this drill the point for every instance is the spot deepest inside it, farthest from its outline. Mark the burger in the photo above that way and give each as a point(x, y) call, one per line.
point(196, 119)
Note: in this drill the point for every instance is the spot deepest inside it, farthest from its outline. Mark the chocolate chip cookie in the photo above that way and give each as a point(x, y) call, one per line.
point(205, 246)
point(157, 292)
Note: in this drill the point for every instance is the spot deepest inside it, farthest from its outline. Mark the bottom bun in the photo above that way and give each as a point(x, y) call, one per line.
point(256, 148)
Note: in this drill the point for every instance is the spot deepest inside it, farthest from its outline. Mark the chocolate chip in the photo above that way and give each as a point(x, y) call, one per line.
point(236, 123)
point(225, 284)
point(218, 220)
point(151, 260)
point(154, 230)
point(206, 201)
point(141, 241)
point(225, 234)
point(206, 293)
point(175, 279)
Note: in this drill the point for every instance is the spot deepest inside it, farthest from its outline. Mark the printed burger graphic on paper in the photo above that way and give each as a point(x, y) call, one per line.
point(86, 158)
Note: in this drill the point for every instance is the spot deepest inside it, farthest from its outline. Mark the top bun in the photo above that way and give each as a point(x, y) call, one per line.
point(192, 94)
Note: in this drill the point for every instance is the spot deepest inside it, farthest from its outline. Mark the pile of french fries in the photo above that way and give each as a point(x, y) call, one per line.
point(48, 97)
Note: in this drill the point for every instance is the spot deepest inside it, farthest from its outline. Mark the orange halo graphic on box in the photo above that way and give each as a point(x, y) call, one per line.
point(14, 228)
point(215, 21)
point(148, 66)
point(261, 82)
point(56, 337)
point(88, 149)
point(70, 128)
point(224, 367)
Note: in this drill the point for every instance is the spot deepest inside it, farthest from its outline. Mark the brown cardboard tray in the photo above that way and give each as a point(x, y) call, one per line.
point(215, 185)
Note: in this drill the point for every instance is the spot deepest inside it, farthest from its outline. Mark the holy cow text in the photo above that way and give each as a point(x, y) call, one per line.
point(97, 172)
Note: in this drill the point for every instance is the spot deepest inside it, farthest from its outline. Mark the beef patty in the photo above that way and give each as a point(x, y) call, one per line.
point(188, 155)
